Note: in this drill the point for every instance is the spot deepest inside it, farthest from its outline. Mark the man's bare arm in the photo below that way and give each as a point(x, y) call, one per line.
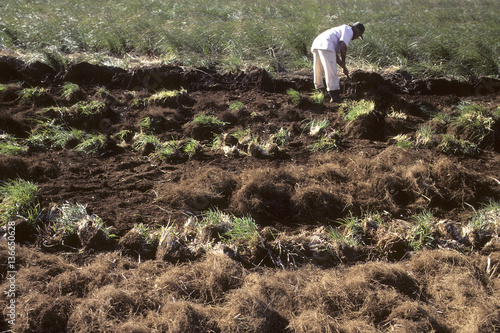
point(343, 53)
point(342, 58)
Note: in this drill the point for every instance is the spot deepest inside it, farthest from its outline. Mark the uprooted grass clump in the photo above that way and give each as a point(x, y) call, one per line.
point(91, 144)
point(204, 127)
point(483, 223)
point(232, 229)
point(19, 199)
point(151, 145)
point(48, 134)
point(51, 135)
point(466, 130)
point(473, 122)
point(352, 110)
point(168, 98)
point(70, 227)
point(35, 96)
point(470, 129)
point(450, 144)
point(71, 91)
point(84, 114)
point(10, 145)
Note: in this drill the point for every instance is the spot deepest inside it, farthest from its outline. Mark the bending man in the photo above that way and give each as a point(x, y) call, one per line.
point(329, 50)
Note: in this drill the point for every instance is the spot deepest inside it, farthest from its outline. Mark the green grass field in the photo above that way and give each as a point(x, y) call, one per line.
point(453, 38)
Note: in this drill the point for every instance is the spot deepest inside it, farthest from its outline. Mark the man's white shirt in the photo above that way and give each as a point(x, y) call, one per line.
point(331, 38)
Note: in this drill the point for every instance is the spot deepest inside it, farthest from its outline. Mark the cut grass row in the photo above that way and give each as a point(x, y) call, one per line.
point(213, 228)
point(464, 131)
point(428, 38)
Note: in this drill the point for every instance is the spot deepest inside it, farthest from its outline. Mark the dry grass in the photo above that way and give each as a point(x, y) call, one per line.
point(211, 187)
point(468, 298)
point(45, 314)
point(265, 195)
point(205, 282)
point(436, 290)
point(397, 181)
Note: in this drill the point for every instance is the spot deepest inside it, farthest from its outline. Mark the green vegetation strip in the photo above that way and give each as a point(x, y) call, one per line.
point(424, 37)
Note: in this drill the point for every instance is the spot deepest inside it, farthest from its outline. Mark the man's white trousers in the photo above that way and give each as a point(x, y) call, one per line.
point(325, 65)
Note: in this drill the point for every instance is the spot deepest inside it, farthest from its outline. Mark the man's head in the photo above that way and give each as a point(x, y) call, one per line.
point(358, 29)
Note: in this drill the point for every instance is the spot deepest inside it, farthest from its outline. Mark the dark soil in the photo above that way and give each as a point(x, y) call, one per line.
point(290, 189)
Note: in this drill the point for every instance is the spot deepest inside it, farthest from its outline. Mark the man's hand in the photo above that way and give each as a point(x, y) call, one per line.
point(346, 71)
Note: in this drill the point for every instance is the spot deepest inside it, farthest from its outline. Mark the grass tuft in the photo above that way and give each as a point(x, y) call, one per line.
point(452, 145)
point(281, 138)
point(424, 136)
point(69, 90)
point(473, 122)
point(168, 150)
point(19, 199)
point(352, 230)
point(295, 96)
point(403, 141)
point(318, 127)
point(72, 216)
point(91, 144)
point(237, 230)
point(208, 121)
point(151, 237)
point(318, 97)
point(50, 135)
point(190, 147)
point(166, 98)
point(354, 109)
point(89, 108)
point(325, 144)
point(33, 96)
point(9, 145)
point(422, 235)
point(486, 219)
point(236, 106)
point(242, 230)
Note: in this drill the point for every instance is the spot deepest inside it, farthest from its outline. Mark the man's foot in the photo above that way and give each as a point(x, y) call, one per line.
point(322, 90)
point(335, 96)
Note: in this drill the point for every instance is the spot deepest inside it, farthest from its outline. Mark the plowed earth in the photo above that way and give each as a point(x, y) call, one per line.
point(291, 189)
